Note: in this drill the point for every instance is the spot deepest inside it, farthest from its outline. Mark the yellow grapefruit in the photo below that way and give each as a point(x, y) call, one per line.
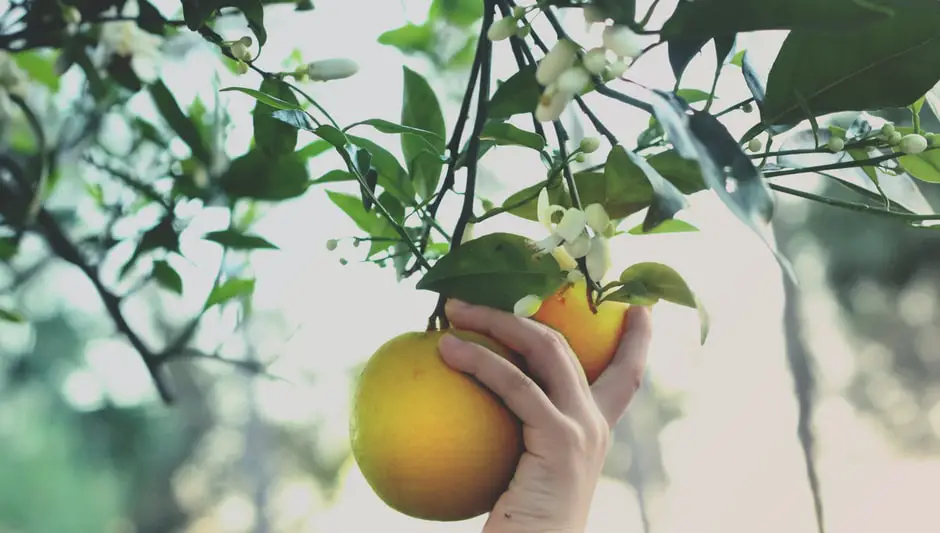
point(593, 337)
point(432, 442)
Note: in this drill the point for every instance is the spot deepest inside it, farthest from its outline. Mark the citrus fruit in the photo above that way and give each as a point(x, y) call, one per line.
point(432, 442)
point(593, 337)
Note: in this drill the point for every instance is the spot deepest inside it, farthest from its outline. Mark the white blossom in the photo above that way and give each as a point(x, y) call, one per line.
point(622, 41)
point(552, 104)
point(597, 218)
point(580, 246)
point(595, 60)
point(598, 258)
point(126, 39)
point(573, 80)
point(560, 58)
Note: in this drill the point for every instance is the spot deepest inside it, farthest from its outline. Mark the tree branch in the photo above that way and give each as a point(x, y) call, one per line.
point(484, 52)
point(63, 247)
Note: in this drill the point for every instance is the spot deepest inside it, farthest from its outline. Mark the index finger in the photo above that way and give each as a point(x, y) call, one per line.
point(546, 353)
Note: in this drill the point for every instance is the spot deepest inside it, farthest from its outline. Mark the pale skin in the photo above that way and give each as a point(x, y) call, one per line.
point(566, 422)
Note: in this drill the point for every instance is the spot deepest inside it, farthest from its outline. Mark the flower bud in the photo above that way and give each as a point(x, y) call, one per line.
point(245, 41)
point(595, 60)
point(523, 31)
point(887, 129)
point(71, 15)
point(622, 41)
point(616, 69)
point(913, 144)
point(580, 158)
point(552, 105)
point(579, 247)
point(518, 12)
point(503, 28)
point(748, 107)
point(559, 59)
point(343, 261)
point(241, 67)
point(598, 258)
point(835, 144)
point(240, 51)
point(573, 80)
point(527, 306)
point(331, 244)
point(590, 144)
point(593, 14)
point(572, 224)
point(331, 69)
point(755, 145)
point(597, 218)
point(894, 138)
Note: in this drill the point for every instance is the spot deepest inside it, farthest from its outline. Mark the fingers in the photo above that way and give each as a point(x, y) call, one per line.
point(518, 391)
point(614, 389)
point(546, 353)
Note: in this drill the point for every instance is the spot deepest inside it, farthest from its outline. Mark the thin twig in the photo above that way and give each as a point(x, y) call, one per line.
point(485, 50)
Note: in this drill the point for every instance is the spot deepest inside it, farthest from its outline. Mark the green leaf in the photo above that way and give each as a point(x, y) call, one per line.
point(179, 122)
point(237, 240)
point(456, 12)
point(621, 11)
point(334, 176)
point(119, 69)
point(162, 236)
point(666, 201)
point(197, 12)
point(9, 315)
point(149, 18)
point(313, 149)
point(647, 283)
point(167, 276)
point(370, 222)
point(271, 101)
point(272, 135)
point(40, 66)
point(386, 126)
point(889, 64)
point(232, 288)
point(673, 225)
point(714, 18)
point(924, 166)
point(505, 134)
point(410, 38)
point(495, 270)
point(622, 190)
point(420, 109)
point(260, 177)
point(297, 119)
point(392, 176)
point(518, 94)
point(8, 248)
point(332, 135)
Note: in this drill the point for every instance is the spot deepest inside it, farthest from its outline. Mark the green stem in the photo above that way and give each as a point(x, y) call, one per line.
point(834, 166)
point(503, 209)
point(853, 206)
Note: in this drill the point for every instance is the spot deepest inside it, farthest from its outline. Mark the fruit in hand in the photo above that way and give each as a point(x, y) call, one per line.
point(432, 442)
point(593, 337)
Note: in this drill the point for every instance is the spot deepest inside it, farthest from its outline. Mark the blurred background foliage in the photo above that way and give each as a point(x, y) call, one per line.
point(86, 445)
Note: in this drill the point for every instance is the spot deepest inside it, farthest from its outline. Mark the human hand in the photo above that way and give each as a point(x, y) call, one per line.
point(566, 422)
